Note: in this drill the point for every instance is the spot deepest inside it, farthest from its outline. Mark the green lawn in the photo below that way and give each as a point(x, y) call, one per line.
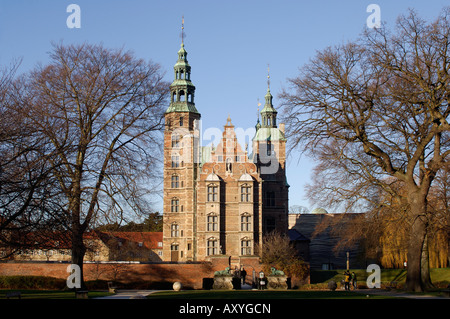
point(268, 294)
point(49, 294)
point(439, 276)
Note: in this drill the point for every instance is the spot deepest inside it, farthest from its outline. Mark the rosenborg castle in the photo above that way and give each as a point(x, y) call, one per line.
point(219, 200)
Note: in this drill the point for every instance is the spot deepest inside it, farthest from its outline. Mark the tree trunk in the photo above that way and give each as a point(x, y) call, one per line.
point(418, 271)
point(415, 246)
point(425, 273)
point(78, 252)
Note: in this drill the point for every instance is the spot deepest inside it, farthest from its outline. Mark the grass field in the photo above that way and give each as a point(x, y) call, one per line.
point(49, 294)
point(316, 290)
point(272, 295)
point(439, 276)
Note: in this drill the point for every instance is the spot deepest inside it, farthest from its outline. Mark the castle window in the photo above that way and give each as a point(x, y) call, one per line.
point(181, 120)
point(212, 193)
point(246, 248)
point(175, 161)
point(270, 199)
point(246, 193)
point(212, 222)
point(176, 140)
point(212, 247)
point(175, 181)
point(174, 230)
point(245, 222)
point(175, 204)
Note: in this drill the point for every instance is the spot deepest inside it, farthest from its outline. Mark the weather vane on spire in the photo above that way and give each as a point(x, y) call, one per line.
point(268, 75)
point(182, 30)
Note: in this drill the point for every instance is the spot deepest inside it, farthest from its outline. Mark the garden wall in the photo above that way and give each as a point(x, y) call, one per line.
point(191, 275)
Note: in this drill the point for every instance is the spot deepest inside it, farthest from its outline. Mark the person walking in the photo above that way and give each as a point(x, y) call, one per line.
point(243, 274)
point(347, 280)
point(354, 281)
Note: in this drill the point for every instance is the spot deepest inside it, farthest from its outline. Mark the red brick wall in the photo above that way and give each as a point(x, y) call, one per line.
point(190, 275)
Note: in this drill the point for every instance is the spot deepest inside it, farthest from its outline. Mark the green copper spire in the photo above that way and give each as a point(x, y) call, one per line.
point(268, 113)
point(182, 90)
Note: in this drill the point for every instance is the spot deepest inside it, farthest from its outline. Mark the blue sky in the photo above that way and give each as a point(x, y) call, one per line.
point(229, 45)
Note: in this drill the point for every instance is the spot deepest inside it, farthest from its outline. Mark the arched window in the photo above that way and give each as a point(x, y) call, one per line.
point(175, 205)
point(175, 181)
point(182, 96)
point(212, 193)
point(246, 222)
point(212, 222)
point(212, 246)
point(175, 140)
point(175, 161)
point(174, 230)
point(246, 248)
point(246, 193)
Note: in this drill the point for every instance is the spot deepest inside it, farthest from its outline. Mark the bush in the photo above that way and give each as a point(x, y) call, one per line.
point(31, 282)
point(332, 285)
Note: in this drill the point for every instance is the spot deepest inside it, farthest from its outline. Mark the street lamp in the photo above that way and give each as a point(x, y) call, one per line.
point(348, 260)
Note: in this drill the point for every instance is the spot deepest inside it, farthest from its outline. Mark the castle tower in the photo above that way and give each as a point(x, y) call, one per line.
point(181, 153)
point(269, 154)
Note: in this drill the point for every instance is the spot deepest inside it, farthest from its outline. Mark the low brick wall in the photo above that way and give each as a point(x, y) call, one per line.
point(189, 274)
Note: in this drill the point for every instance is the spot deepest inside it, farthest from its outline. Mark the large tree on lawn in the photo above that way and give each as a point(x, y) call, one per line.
point(101, 113)
point(376, 111)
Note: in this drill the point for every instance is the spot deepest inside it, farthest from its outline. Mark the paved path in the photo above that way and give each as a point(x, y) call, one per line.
point(129, 294)
point(400, 294)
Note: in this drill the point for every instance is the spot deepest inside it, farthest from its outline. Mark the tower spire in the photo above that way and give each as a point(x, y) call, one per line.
point(268, 113)
point(182, 30)
point(182, 89)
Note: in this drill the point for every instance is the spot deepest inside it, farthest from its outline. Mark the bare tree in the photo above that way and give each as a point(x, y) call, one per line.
point(100, 112)
point(25, 182)
point(375, 108)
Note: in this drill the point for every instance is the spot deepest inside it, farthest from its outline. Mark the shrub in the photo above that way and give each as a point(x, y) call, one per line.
point(31, 282)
